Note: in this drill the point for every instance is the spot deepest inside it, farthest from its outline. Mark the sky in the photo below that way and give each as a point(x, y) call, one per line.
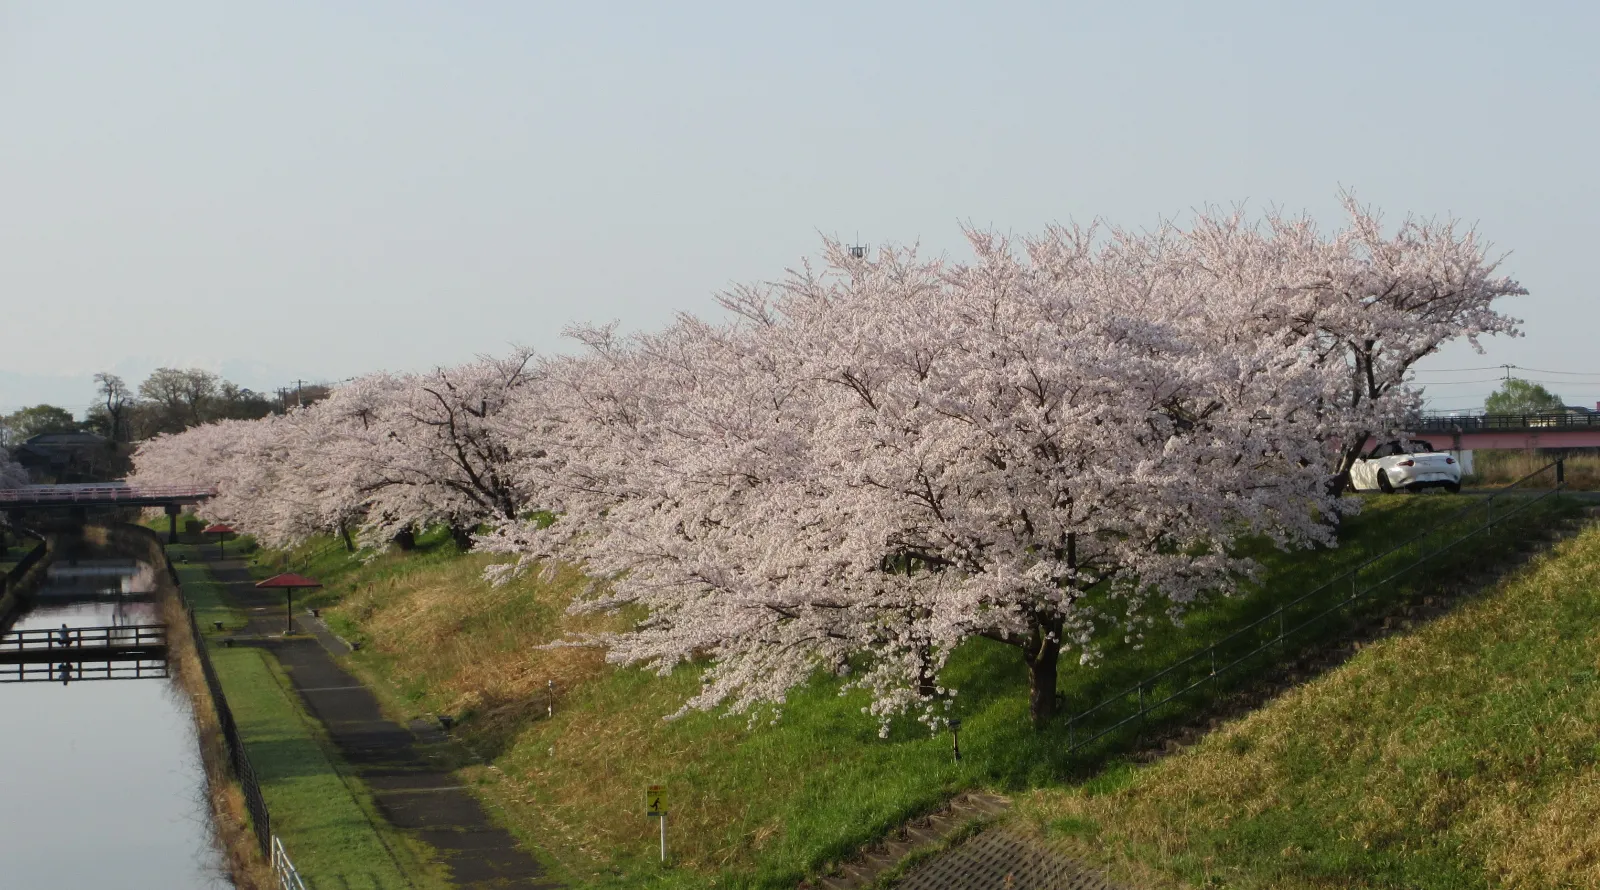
point(312, 190)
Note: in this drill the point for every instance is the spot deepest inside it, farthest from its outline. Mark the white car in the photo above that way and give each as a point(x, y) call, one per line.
point(1406, 466)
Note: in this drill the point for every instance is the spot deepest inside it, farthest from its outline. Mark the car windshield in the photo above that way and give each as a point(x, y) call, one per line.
point(1390, 449)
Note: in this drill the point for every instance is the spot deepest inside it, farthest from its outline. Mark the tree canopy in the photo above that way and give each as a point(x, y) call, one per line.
point(1516, 396)
point(25, 423)
point(879, 458)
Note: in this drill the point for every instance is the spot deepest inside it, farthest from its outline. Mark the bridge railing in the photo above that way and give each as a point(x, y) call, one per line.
point(100, 494)
point(68, 638)
point(1488, 423)
point(80, 671)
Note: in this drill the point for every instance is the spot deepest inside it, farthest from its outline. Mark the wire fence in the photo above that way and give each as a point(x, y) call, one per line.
point(1306, 618)
point(238, 760)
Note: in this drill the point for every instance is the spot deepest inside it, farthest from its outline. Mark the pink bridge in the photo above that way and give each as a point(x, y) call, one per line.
point(1567, 429)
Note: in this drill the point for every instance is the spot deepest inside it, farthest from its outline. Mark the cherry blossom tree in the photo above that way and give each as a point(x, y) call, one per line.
point(12, 474)
point(886, 459)
point(429, 448)
point(1373, 305)
point(384, 454)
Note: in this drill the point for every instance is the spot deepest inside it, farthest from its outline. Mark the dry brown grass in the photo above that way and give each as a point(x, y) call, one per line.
point(472, 648)
point(1497, 468)
point(1464, 754)
point(453, 644)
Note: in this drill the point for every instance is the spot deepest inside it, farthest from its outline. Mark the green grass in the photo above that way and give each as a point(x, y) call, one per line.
point(1465, 754)
point(763, 806)
point(324, 817)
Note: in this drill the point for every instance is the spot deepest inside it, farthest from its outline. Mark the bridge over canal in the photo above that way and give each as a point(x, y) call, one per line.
point(1557, 429)
point(79, 498)
point(113, 652)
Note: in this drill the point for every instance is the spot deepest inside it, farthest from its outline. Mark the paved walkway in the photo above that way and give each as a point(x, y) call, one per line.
point(412, 794)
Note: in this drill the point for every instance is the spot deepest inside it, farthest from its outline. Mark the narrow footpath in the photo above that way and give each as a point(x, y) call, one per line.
point(411, 793)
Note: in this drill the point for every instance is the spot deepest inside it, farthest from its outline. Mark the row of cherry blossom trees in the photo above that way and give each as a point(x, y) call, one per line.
point(880, 458)
point(383, 455)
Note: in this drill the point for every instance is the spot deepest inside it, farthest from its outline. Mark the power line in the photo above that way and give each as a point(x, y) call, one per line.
point(1569, 373)
point(1504, 368)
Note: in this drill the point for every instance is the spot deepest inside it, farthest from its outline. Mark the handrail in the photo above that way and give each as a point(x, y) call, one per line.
point(1350, 577)
point(1434, 423)
point(34, 494)
point(288, 877)
point(125, 635)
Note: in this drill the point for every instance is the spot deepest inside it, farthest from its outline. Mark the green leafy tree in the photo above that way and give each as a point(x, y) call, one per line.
point(24, 424)
point(1522, 397)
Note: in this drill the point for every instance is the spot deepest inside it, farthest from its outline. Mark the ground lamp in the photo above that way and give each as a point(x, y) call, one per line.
point(222, 532)
point(288, 582)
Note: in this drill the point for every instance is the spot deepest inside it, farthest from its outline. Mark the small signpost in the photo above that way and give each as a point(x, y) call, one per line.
point(289, 582)
point(655, 805)
point(222, 532)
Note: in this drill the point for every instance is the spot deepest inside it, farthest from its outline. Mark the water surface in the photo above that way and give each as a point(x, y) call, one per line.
point(101, 784)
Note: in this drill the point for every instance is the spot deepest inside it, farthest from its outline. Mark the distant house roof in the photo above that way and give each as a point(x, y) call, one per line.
point(59, 440)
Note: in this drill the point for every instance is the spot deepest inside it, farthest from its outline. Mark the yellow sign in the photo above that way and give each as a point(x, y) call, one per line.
point(655, 800)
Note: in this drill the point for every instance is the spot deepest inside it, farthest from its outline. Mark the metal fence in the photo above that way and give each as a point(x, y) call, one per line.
point(1273, 634)
point(288, 876)
point(238, 760)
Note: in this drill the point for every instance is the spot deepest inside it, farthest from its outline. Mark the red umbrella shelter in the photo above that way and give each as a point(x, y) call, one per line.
point(289, 582)
point(222, 532)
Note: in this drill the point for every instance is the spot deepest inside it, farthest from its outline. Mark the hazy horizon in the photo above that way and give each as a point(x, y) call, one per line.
point(301, 190)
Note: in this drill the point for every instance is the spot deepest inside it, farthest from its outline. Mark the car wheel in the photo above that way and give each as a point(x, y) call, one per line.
point(1383, 483)
point(1453, 487)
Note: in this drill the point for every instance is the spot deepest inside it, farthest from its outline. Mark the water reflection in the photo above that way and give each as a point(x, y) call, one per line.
point(102, 783)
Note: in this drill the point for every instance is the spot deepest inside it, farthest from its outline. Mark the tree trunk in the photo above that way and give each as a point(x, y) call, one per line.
point(406, 539)
point(462, 536)
point(1042, 656)
point(344, 534)
point(1347, 459)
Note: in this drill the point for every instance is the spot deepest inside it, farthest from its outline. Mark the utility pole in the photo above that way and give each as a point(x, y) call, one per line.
point(299, 401)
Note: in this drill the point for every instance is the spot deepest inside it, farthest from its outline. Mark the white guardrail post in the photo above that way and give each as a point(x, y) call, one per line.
point(283, 869)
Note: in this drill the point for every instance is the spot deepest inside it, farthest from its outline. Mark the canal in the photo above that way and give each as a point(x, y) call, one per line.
point(103, 785)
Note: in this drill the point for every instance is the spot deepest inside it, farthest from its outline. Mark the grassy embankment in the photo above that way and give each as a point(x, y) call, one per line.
point(1494, 468)
point(325, 819)
point(1464, 754)
point(751, 807)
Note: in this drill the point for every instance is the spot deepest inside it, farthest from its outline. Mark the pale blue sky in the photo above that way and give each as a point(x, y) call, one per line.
point(315, 189)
